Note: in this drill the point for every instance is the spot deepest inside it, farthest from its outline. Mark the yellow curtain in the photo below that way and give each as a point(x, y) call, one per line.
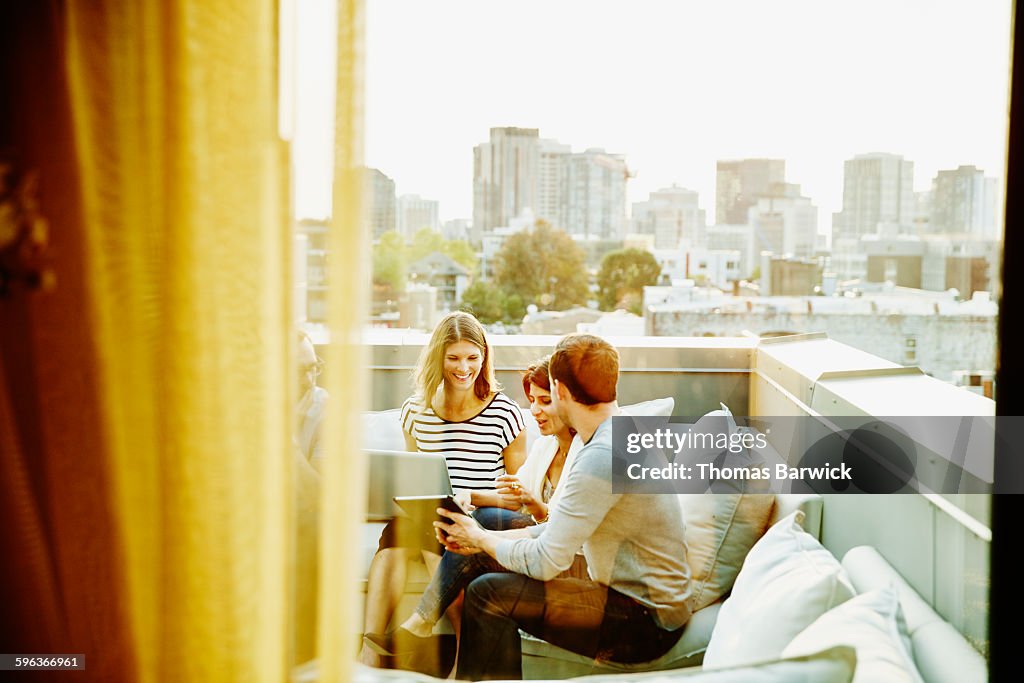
point(187, 249)
point(347, 380)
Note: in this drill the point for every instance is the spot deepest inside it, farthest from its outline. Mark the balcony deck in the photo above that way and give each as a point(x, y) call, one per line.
point(939, 543)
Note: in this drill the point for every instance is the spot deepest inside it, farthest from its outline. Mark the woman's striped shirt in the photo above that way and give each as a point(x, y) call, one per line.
point(471, 448)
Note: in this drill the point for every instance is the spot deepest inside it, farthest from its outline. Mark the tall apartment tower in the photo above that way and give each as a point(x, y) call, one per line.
point(504, 177)
point(553, 183)
point(785, 222)
point(964, 202)
point(415, 212)
point(739, 183)
point(597, 195)
point(877, 189)
point(672, 215)
point(380, 201)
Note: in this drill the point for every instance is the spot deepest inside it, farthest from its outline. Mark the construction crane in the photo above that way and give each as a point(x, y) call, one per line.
point(614, 164)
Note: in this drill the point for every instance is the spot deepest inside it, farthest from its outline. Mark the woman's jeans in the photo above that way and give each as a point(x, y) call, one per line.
point(455, 571)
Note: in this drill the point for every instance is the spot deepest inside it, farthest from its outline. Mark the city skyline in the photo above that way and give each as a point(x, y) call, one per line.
point(746, 82)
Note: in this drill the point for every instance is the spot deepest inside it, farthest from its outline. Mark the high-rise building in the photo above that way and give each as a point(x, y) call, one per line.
point(597, 195)
point(415, 213)
point(739, 183)
point(671, 215)
point(516, 175)
point(379, 191)
point(739, 238)
point(553, 183)
point(456, 229)
point(877, 189)
point(313, 237)
point(784, 222)
point(964, 202)
point(504, 177)
point(922, 212)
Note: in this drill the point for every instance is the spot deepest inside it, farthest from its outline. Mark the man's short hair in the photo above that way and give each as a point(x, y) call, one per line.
point(588, 366)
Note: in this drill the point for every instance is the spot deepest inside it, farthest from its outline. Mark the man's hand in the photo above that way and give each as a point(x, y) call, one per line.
point(461, 535)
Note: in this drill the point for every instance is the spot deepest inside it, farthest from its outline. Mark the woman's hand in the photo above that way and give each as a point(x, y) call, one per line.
point(512, 490)
point(465, 500)
point(461, 535)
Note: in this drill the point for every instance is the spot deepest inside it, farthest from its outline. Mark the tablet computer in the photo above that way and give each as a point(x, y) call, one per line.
point(423, 507)
point(401, 473)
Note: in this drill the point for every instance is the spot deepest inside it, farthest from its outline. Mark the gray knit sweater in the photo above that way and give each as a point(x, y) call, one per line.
point(633, 543)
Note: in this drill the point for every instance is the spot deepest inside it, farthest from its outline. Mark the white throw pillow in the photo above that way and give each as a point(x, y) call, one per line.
point(721, 529)
point(871, 623)
point(786, 582)
point(382, 430)
point(658, 407)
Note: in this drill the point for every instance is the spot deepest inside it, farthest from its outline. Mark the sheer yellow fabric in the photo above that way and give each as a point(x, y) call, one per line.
point(183, 182)
point(344, 494)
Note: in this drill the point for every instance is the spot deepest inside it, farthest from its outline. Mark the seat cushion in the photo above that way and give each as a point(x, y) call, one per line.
point(834, 665)
point(541, 659)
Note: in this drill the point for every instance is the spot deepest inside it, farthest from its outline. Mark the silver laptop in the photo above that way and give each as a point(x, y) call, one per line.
point(401, 473)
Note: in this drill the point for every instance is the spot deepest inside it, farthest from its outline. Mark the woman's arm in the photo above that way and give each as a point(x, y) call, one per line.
point(514, 456)
point(491, 499)
point(410, 442)
point(515, 453)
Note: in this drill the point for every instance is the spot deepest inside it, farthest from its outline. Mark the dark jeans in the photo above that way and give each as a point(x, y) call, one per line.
point(579, 615)
point(456, 571)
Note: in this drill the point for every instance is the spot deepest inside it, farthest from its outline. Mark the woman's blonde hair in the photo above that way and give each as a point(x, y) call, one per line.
point(454, 327)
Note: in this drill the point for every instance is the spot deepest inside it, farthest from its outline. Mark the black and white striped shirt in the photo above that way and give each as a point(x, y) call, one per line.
point(471, 448)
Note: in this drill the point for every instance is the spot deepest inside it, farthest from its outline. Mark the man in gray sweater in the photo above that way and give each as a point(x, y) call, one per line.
point(634, 604)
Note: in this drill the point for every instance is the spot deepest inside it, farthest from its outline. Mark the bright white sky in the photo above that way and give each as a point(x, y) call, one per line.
point(674, 85)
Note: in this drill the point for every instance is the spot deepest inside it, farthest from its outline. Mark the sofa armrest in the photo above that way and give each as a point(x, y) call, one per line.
point(941, 653)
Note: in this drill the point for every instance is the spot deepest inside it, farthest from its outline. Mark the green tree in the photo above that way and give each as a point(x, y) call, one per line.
point(485, 300)
point(515, 309)
point(463, 254)
point(543, 266)
point(622, 278)
point(424, 243)
point(390, 265)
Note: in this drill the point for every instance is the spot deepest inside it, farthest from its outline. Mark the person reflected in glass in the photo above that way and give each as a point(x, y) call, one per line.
point(309, 410)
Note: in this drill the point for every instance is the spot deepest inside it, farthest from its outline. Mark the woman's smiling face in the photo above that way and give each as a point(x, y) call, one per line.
point(462, 363)
point(543, 411)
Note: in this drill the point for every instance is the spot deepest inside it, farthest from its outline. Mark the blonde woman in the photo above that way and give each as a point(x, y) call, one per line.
point(459, 411)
